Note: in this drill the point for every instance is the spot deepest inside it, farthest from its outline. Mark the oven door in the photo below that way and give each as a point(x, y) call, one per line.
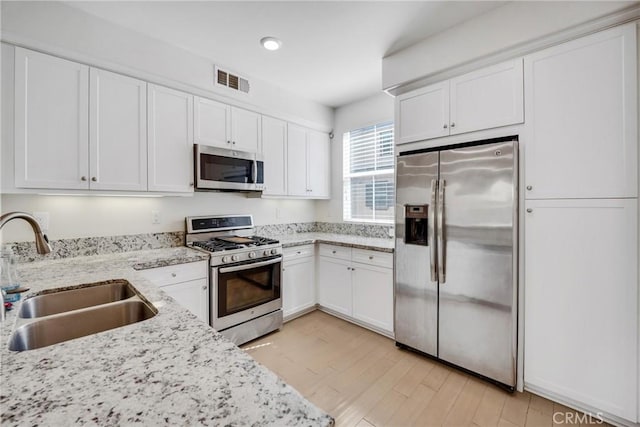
point(223, 169)
point(245, 291)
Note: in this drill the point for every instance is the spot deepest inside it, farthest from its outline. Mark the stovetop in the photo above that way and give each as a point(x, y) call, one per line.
point(230, 239)
point(219, 244)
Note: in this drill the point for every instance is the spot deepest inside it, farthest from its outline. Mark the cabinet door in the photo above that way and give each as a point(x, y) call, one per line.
point(192, 295)
point(423, 114)
point(245, 130)
point(51, 122)
point(373, 295)
point(334, 285)
point(487, 98)
point(170, 125)
point(297, 161)
point(298, 286)
point(318, 165)
point(274, 151)
point(582, 118)
point(118, 132)
point(212, 123)
point(581, 301)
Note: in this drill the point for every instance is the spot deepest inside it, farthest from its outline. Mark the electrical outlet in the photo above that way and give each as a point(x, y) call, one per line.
point(43, 220)
point(155, 217)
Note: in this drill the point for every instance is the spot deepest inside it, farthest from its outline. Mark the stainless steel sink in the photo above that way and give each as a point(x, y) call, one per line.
point(68, 314)
point(93, 294)
point(79, 323)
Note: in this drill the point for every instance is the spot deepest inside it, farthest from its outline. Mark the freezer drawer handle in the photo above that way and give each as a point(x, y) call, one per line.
point(432, 231)
point(441, 237)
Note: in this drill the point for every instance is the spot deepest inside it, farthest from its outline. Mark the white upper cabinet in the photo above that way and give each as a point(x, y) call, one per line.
point(212, 123)
point(581, 102)
point(487, 98)
point(581, 302)
point(308, 168)
point(170, 128)
point(274, 151)
point(297, 160)
point(221, 125)
point(51, 122)
point(423, 114)
point(245, 130)
point(318, 170)
point(118, 132)
point(483, 99)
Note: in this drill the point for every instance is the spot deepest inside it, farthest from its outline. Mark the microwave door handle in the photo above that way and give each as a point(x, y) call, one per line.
point(254, 172)
point(250, 265)
point(431, 230)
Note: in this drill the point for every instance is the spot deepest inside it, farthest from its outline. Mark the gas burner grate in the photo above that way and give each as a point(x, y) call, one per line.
point(215, 245)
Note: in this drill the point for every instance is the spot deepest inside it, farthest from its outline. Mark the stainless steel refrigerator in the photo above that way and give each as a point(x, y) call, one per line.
point(456, 256)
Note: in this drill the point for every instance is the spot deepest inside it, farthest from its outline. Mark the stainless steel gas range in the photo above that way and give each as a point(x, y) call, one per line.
point(246, 275)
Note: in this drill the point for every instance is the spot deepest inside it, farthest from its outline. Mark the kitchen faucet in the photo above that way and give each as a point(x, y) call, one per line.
point(42, 242)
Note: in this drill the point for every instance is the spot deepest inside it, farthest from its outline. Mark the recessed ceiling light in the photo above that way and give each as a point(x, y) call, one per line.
point(270, 43)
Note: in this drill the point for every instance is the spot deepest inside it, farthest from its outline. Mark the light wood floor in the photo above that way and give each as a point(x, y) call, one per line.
point(362, 379)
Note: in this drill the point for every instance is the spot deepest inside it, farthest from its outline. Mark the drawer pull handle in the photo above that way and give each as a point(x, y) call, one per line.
point(173, 274)
point(298, 252)
point(370, 256)
point(333, 252)
point(204, 288)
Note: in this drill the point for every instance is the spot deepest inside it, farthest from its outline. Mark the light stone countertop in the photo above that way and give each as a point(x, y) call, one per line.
point(171, 369)
point(371, 243)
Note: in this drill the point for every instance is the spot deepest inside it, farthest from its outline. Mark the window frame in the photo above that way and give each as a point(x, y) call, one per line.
point(347, 175)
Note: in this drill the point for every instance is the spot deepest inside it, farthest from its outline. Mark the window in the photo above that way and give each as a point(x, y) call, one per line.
point(368, 175)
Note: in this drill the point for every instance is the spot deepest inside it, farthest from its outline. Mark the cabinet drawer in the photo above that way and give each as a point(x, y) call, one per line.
point(340, 252)
point(381, 259)
point(162, 276)
point(298, 252)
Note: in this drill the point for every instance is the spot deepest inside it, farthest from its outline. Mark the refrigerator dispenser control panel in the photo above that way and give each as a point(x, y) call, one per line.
point(416, 224)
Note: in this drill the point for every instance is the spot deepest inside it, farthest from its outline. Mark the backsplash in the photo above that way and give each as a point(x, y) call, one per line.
point(69, 248)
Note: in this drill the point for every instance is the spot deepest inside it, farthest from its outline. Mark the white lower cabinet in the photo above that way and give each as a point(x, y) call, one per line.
point(373, 295)
point(581, 303)
point(334, 284)
point(192, 295)
point(358, 284)
point(188, 284)
point(298, 281)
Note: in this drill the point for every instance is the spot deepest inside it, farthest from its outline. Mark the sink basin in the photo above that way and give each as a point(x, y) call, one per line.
point(79, 323)
point(93, 294)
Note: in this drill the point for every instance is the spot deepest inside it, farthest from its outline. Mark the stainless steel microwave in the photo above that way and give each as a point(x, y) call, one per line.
point(227, 170)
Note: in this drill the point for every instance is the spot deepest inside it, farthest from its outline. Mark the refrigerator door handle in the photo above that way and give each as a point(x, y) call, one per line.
point(440, 226)
point(432, 231)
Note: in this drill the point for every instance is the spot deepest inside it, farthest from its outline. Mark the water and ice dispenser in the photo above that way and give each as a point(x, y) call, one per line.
point(416, 220)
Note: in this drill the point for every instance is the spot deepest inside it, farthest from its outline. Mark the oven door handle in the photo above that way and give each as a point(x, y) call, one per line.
point(250, 265)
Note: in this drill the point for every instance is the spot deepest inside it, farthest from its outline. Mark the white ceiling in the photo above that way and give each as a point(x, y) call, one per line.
point(331, 50)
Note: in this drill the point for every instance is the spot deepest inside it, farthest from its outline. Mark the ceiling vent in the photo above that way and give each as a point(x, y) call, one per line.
point(231, 81)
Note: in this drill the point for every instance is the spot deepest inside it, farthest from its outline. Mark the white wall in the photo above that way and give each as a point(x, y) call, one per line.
point(502, 28)
point(77, 216)
point(65, 31)
point(372, 110)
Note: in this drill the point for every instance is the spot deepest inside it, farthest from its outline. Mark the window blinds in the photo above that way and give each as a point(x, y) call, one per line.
point(368, 174)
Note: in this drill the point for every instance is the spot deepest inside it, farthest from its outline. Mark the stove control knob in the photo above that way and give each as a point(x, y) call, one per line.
point(252, 254)
point(225, 259)
point(274, 251)
point(235, 257)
